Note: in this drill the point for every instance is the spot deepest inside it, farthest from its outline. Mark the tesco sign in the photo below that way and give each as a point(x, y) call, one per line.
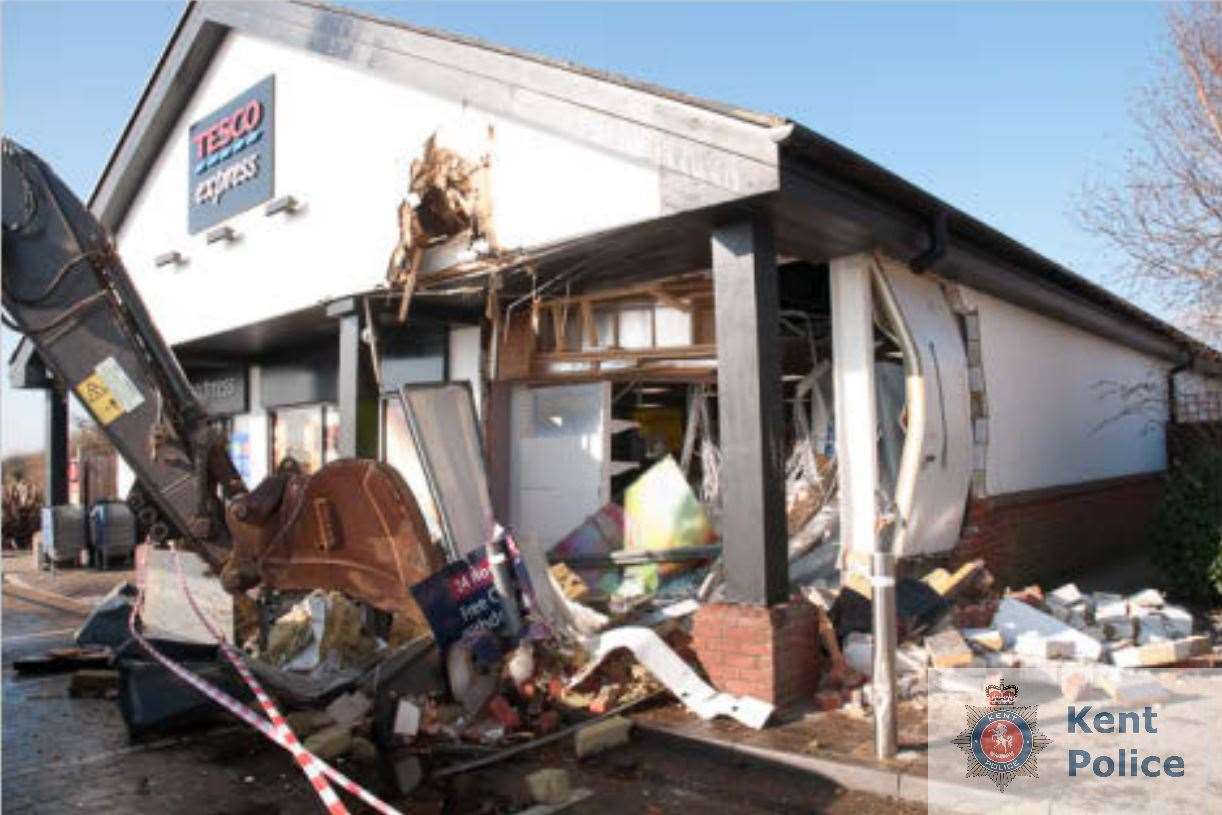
point(230, 158)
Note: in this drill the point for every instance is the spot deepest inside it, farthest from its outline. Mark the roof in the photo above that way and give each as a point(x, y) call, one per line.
point(329, 30)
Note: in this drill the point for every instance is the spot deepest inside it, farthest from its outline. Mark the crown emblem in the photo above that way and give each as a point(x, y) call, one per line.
point(1001, 694)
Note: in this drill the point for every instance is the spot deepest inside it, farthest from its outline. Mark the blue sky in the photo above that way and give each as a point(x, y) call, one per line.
point(1005, 110)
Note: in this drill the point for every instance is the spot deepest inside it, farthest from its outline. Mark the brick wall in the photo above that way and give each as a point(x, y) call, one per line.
point(1043, 535)
point(769, 653)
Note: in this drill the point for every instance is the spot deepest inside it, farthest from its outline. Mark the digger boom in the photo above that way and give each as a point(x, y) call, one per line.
point(66, 290)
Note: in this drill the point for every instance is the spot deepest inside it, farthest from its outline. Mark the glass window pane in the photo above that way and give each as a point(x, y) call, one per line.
point(330, 434)
point(297, 433)
point(401, 454)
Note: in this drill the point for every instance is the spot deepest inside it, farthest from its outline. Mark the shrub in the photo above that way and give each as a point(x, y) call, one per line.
point(1187, 529)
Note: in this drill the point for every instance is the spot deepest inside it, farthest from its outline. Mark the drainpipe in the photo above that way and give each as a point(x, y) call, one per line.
point(925, 261)
point(1182, 366)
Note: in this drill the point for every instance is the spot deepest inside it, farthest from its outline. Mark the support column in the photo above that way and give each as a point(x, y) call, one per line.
point(857, 467)
point(358, 400)
point(751, 418)
point(55, 449)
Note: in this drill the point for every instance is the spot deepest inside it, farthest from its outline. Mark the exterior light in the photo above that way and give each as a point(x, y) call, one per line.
point(285, 203)
point(221, 233)
point(169, 259)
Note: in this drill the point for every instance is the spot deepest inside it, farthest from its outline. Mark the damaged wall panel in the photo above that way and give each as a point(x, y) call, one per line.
point(340, 239)
point(936, 463)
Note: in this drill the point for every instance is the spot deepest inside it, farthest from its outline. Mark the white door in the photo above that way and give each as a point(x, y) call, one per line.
point(561, 454)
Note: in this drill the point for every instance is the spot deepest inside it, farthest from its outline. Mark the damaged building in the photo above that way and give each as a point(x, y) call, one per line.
point(650, 296)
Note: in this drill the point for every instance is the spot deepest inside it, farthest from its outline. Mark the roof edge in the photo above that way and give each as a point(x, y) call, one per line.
point(847, 165)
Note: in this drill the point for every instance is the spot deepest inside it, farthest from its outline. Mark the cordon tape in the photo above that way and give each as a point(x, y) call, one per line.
point(274, 728)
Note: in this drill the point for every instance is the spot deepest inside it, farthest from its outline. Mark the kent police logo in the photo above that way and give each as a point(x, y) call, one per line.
point(1002, 741)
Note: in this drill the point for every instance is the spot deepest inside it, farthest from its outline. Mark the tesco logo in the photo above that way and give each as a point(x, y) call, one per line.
point(228, 135)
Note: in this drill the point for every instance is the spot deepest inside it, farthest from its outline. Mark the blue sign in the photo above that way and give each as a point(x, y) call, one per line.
point(231, 158)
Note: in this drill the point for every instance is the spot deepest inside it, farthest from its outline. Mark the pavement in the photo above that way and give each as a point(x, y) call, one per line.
point(66, 755)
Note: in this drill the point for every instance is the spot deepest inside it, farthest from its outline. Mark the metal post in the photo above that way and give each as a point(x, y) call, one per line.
point(857, 462)
point(55, 454)
point(751, 420)
point(358, 410)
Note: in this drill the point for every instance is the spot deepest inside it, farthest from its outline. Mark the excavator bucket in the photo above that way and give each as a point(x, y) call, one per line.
point(354, 526)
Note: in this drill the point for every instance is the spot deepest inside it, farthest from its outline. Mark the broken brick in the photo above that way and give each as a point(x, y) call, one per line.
point(948, 649)
point(94, 683)
point(504, 713)
point(601, 735)
point(549, 785)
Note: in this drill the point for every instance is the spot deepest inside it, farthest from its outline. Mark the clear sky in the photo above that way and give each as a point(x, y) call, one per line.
point(1004, 110)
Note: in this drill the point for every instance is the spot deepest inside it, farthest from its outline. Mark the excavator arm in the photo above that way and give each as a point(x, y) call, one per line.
point(354, 526)
point(65, 288)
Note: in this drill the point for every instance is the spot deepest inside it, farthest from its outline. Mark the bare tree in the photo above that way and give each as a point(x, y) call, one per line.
point(1166, 216)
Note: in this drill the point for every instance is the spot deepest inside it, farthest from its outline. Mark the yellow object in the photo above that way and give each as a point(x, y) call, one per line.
point(571, 584)
point(98, 398)
point(662, 512)
point(937, 580)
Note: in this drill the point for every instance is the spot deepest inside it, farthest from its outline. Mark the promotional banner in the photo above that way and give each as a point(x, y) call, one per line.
point(462, 597)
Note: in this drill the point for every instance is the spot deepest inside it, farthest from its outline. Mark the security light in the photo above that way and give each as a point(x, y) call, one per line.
point(285, 203)
point(221, 233)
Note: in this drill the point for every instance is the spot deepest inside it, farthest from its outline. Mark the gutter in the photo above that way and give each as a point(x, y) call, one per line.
point(969, 252)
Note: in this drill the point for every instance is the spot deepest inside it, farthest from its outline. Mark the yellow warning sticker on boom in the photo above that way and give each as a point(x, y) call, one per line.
point(100, 401)
point(108, 392)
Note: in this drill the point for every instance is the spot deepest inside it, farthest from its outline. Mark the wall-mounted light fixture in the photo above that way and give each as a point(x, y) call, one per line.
point(221, 233)
point(169, 259)
point(285, 203)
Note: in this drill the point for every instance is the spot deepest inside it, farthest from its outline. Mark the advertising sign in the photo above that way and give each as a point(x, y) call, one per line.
point(231, 158)
point(222, 391)
point(462, 597)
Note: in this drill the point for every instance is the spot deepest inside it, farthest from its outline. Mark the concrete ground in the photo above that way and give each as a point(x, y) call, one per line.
point(67, 755)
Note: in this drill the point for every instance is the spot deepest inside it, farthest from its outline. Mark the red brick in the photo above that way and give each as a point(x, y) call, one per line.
point(1043, 535)
point(770, 653)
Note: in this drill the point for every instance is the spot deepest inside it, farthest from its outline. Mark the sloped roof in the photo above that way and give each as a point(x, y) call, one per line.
point(203, 26)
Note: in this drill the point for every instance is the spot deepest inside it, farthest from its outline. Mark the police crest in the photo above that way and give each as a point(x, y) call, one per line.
point(1002, 741)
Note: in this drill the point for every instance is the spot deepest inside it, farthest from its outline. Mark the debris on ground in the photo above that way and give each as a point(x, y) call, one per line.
point(601, 736)
point(978, 625)
point(330, 742)
point(106, 625)
point(93, 683)
point(530, 644)
point(550, 785)
point(63, 660)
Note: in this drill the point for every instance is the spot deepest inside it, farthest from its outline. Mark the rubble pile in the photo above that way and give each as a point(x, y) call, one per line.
point(977, 626)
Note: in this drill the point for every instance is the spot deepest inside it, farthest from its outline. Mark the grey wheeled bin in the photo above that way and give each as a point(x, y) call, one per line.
point(63, 534)
point(112, 533)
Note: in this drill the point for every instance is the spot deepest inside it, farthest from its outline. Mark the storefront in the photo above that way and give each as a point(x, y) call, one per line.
point(319, 207)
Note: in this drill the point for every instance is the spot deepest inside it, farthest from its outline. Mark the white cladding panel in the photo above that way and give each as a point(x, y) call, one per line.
point(345, 139)
point(465, 360)
point(1052, 420)
point(938, 463)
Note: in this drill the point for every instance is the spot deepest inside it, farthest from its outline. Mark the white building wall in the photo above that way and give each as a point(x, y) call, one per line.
point(1055, 416)
point(465, 357)
point(345, 139)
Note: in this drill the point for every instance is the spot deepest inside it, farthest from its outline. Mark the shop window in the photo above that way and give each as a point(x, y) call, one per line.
point(248, 447)
point(307, 434)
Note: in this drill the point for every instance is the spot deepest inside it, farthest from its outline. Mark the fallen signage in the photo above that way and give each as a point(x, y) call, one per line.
point(462, 597)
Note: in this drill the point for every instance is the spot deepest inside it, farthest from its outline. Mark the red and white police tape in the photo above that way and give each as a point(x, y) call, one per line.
point(310, 765)
point(276, 729)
